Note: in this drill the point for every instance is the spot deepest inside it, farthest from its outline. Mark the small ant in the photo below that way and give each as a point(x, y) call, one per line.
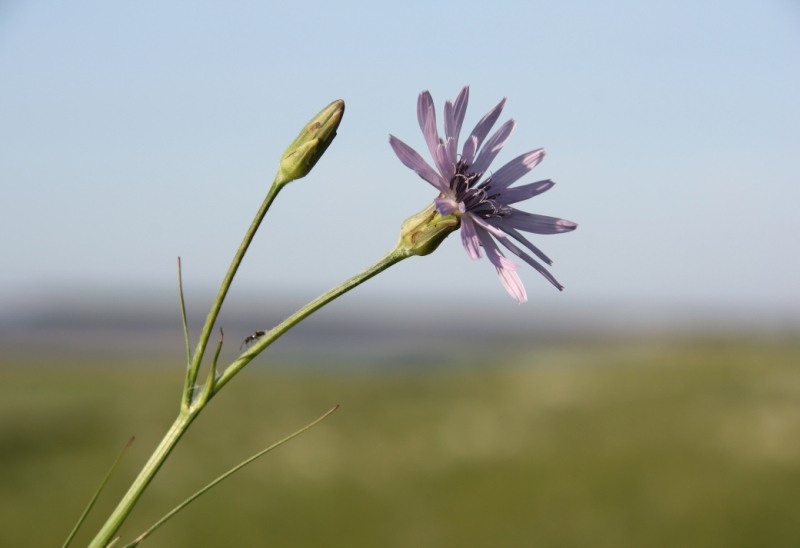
point(251, 338)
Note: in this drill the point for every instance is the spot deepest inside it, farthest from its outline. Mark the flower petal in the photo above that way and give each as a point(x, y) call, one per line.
point(431, 135)
point(493, 146)
point(425, 108)
point(538, 224)
point(470, 147)
point(469, 237)
point(482, 130)
point(414, 161)
point(448, 156)
point(516, 168)
point(514, 233)
point(528, 259)
point(440, 161)
point(454, 114)
point(512, 282)
point(520, 193)
point(485, 225)
point(506, 270)
point(426, 116)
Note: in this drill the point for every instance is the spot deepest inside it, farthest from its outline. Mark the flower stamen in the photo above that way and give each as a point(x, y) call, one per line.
point(473, 193)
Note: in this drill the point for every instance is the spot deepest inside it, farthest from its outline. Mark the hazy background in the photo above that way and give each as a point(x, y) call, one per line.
point(134, 133)
point(655, 402)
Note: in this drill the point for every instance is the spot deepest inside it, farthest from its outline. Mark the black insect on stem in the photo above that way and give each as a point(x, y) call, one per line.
point(251, 338)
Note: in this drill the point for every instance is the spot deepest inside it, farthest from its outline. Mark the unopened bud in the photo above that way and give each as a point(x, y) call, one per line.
point(301, 156)
point(422, 233)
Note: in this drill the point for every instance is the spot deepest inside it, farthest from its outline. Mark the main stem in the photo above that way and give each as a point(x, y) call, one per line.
point(148, 472)
point(188, 410)
point(189, 413)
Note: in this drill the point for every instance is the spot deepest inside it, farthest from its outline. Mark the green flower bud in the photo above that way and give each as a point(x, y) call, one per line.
point(422, 233)
point(304, 152)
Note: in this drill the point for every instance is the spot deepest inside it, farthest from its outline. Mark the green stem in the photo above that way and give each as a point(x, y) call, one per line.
point(296, 162)
point(188, 410)
point(112, 525)
point(194, 364)
point(188, 414)
point(394, 257)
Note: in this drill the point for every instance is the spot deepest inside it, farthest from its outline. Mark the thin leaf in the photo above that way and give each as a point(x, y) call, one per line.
point(224, 476)
point(188, 386)
point(97, 493)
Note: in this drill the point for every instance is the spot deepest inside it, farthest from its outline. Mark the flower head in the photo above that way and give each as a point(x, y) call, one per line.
point(482, 199)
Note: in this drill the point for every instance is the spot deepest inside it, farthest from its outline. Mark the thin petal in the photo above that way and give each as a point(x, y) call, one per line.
point(524, 192)
point(503, 239)
point(503, 229)
point(512, 283)
point(454, 114)
point(528, 259)
point(445, 165)
point(470, 147)
point(493, 146)
point(514, 233)
point(469, 237)
point(425, 108)
point(451, 154)
point(482, 129)
point(488, 227)
point(426, 116)
point(538, 224)
point(414, 161)
point(516, 168)
point(431, 135)
point(506, 270)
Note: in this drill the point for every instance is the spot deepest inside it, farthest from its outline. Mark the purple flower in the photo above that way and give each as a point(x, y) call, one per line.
point(483, 203)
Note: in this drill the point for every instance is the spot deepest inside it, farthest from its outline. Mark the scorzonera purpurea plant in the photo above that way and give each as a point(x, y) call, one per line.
point(470, 198)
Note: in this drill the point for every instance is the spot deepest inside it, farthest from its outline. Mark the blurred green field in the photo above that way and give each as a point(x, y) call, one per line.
point(641, 443)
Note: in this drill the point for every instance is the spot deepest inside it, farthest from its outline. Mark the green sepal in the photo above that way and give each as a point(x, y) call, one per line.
point(422, 233)
point(306, 150)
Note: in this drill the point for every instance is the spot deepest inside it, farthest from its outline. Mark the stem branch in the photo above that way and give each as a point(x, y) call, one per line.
point(194, 364)
point(394, 257)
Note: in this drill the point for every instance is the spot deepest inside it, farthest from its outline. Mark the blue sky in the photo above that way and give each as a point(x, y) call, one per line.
point(132, 133)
